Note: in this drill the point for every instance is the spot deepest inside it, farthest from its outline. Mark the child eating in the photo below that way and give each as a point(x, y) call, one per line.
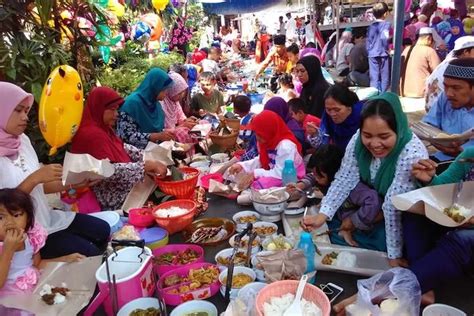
point(361, 210)
point(22, 238)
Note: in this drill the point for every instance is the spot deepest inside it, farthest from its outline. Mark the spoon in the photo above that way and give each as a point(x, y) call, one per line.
point(309, 194)
point(295, 307)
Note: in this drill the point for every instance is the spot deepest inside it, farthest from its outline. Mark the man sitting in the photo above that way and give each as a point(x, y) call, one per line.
point(453, 112)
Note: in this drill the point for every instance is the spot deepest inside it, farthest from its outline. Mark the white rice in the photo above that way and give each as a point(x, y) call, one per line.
point(278, 306)
point(346, 259)
point(171, 212)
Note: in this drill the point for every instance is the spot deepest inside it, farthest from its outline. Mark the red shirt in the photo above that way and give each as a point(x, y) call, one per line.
point(310, 118)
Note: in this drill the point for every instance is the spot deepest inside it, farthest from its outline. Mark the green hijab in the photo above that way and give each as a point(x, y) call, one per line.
point(386, 172)
point(142, 104)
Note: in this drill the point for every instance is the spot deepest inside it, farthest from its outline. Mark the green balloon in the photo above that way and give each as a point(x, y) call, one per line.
point(105, 52)
point(102, 3)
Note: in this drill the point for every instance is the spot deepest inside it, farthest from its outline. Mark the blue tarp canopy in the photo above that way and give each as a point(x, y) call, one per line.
point(231, 7)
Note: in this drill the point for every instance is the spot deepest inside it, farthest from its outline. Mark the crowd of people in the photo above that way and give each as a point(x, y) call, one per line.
point(361, 152)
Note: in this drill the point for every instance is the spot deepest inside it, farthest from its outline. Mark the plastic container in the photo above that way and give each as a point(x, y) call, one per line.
point(181, 189)
point(161, 269)
point(198, 294)
point(155, 237)
point(277, 289)
point(111, 217)
point(174, 224)
point(141, 217)
point(442, 309)
point(133, 270)
point(288, 174)
point(306, 244)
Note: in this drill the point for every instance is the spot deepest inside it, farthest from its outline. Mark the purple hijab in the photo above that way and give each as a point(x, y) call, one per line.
point(280, 107)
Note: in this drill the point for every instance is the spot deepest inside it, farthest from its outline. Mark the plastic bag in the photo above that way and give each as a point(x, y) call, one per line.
point(397, 291)
point(244, 305)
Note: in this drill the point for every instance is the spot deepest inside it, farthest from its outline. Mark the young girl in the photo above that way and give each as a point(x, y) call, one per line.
point(287, 87)
point(22, 238)
point(362, 208)
point(275, 143)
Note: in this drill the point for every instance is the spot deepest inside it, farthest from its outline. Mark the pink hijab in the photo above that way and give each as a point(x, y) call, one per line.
point(10, 96)
point(173, 112)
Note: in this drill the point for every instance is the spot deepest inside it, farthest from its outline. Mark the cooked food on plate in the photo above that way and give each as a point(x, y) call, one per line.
point(457, 212)
point(239, 280)
point(240, 258)
point(151, 311)
point(177, 258)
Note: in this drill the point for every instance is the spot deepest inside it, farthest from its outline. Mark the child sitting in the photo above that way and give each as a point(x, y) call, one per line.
point(287, 87)
point(361, 210)
point(22, 238)
point(242, 105)
point(211, 63)
point(297, 112)
point(210, 100)
point(275, 144)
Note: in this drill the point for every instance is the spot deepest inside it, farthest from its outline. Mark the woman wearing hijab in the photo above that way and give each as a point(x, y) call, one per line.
point(68, 232)
point(276, 144)
point(381, 155)
point(176, 121)
point(308, 72)
point(341, 118)
point(96, 137)
point(141, 117)
point(280, 107)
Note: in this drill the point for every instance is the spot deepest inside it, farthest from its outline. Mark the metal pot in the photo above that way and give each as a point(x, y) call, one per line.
point(271, 208)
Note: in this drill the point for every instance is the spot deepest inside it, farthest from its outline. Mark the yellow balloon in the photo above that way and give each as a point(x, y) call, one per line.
point(116, 8)
point(61, 105)
point(160, 5)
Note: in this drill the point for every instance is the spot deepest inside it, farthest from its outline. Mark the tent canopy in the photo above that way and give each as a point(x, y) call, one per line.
point(231, 7)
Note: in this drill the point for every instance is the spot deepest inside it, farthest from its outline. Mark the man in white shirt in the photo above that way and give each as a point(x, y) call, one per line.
point(290, 29)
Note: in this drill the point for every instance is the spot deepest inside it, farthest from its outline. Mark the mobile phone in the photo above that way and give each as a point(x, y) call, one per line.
point(331, 290)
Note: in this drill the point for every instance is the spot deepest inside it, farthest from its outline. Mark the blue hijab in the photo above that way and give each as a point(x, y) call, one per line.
point(341, 134)
point(142, 104)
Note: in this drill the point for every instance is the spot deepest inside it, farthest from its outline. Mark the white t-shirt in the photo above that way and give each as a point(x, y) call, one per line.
point(14, 172)
point(342, 63)
point(210, 66)
point(291, 29)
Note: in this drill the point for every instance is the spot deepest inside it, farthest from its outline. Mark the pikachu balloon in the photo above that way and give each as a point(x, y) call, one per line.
point(60, 108)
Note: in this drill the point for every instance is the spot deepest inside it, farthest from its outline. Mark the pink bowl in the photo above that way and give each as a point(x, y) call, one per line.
point(141, 217)
point(199, 294)
point(162, 269)
point(205, 179)
point(277, 289)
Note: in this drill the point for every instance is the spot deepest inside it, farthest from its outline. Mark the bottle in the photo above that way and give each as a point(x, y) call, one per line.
point(288, 174)
point(307, 246)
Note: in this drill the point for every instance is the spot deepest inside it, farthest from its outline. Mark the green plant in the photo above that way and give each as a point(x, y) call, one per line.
point(128, 76)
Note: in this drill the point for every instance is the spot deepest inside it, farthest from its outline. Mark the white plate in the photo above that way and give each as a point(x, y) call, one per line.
point(139, 303)
point(368, 262)
point(265, 224)
point(112, 218)
point(194, 306)
point(294, 211)
point(241, 226)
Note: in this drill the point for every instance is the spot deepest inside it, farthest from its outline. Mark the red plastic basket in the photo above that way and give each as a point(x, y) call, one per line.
point(174, 224)
point(183, 189)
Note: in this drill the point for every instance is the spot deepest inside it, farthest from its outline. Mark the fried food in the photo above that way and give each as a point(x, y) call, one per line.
point(177, 258)
point(265, 230)
point(239, 280)
point(247, 219)
point(330, 258)
point(240, 258)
